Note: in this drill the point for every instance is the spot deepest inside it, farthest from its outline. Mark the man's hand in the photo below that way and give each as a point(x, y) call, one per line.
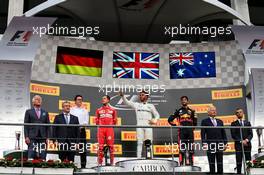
point(245, 142)
point(153, 122)
point(121, 93)
point(27, 140)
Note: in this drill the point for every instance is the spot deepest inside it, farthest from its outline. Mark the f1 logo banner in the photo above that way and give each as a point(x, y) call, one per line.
point(250, 38)
point(251, 41)
point(256, 47)
point(22, 36)
point(19, 42)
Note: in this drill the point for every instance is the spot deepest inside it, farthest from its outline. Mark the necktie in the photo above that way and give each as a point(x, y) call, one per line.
point(214, 122)
point(241, 123)
point(67, 119)
point(38, 112)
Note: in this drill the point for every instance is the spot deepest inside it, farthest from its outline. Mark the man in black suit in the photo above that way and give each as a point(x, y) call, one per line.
point(243, 139)
point(66, 136)
point(36, 136)
point(214, 140)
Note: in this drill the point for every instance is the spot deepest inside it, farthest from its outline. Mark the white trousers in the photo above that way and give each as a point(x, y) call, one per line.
point(142, 135)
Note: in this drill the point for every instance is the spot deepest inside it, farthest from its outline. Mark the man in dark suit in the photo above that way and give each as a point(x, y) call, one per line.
point(243, 139)
point(66, 136)
point(36, 136)
point(214, 140)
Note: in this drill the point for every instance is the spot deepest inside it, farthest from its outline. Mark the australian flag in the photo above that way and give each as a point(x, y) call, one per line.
point(192, 65)
point(136, 65)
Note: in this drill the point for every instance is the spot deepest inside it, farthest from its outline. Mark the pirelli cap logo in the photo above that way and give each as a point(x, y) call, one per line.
point(117, 149)
point(165, 149)
point(85, 105)
point(200, 108)
point(227, 94)
point(128, 135)
point(93, 121)
point(44, 89)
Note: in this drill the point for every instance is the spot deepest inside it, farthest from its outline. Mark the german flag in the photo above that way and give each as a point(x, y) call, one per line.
point(79, 61)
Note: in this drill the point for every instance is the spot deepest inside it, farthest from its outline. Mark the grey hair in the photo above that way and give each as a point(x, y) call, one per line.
point(210, 107)
point(35, 96)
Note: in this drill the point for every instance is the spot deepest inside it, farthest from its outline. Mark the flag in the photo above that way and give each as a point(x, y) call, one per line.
point(192, 65)
point(79, 61)
point(136, 65)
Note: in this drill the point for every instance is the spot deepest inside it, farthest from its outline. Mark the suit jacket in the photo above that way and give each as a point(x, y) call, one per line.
point(246, 133)
point(63, 133)
point(36, 131)
point(213, 135)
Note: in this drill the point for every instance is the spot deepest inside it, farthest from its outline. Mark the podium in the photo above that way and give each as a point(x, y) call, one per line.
point(147, 165)
point(188, 169)
point(143, 166)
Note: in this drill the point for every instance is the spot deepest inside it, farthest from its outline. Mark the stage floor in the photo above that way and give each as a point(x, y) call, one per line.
point(149, 173)
point(133, 173)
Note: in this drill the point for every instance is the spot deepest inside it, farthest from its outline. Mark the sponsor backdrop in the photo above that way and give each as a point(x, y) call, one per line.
point(257, 86)
point(18, 48)
point(14, 99)
point(225, 90)
point(251, 41)
point(225, 99)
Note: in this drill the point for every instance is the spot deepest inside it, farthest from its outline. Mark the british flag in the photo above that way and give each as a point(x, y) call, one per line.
point(136, 65)
point(181, 58)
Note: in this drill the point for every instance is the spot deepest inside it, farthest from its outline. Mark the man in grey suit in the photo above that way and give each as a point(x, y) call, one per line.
point(36, 136)
point(214, 140)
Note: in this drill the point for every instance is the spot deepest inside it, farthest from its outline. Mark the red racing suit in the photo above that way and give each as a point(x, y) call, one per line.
point(106, 116)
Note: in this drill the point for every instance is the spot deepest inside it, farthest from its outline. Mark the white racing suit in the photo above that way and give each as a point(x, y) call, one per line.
point(144, 113)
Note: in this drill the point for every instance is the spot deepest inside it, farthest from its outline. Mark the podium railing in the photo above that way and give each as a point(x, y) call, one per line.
point(168, 142)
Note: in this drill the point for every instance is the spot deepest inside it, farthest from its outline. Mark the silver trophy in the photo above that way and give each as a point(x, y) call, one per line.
point(260, 141)
point(147, 144)
point(18, 134)
point(260, 154)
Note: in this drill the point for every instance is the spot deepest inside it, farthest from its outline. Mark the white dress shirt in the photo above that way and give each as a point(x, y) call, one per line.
point(82, 114)
point(213, 121)
point(67, 118)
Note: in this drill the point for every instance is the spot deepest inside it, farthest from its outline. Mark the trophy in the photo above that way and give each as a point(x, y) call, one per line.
point(147, 144)
point(260, 142)
point(17, 146)
point(106, 151)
